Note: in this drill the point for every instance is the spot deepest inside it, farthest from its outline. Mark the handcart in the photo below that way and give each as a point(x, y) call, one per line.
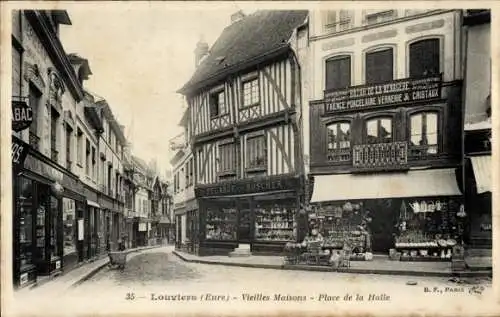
point(117, 259)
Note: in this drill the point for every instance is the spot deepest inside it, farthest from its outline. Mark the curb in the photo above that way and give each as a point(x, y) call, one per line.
point(94, 271)
point(342, 270)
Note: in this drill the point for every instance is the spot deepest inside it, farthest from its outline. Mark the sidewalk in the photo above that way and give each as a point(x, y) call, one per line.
point(74, 277)
point(380, 265)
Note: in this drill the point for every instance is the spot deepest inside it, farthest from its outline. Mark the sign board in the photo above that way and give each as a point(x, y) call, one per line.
point(248, 186)
point(80, 230)
point(22, 115)
point(19, 151)
point(379, 95)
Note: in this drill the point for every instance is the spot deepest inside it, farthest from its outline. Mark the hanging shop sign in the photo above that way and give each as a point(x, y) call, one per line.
point(248, 186)
point(19, 151)
point(22, 115)
point(396, 92)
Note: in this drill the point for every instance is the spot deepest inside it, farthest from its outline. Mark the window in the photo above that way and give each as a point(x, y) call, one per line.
point(339, 142)
point(25, 204)
point(191, 171)
point(34, 102)
point(336, 21)
point(94, 165)
point(175, 183)
point(87, 157)
point(424, 133)
point(69, 223)
point(378, 16)
point(53, 135)
point(217, 104)
point(69, 132)
point(379, 130)
point(379, 66)
point(338, 72)
point(200, 164)
point(54, 228)
point(256, 153)
point(188, 172)
point(227, 159)
point(424, 58)
point(79, 148)
point(251, 95)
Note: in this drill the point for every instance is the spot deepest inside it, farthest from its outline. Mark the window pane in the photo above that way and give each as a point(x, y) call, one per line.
point(424, 58)
point(416, 129)
point(69, 222)
point(385, 132)
point(256, 152)
point(54, 237)
point(379, 66)
point(371, 131)
point(345, 136)
point(25, 205)
point(432, 128)
point(250, 92)
point(332, 136)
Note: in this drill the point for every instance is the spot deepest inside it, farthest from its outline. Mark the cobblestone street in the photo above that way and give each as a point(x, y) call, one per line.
point(157, 279)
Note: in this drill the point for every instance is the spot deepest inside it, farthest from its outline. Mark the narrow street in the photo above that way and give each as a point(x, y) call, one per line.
point(157, 278)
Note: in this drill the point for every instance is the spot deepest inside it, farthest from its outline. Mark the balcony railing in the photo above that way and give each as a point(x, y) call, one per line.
point(380, 155)
point(34, 141)
point(54, 155)
point(339, 155)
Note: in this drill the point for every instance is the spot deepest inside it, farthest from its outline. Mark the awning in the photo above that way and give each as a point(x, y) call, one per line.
point(482, 172)
point(93, 204)
point(421, 183)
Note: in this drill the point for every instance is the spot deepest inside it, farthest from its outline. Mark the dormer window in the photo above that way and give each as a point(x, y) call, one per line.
point(217, 104)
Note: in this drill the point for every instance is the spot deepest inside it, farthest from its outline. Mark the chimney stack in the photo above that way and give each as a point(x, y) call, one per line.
point(237, 16)
point(200, 51)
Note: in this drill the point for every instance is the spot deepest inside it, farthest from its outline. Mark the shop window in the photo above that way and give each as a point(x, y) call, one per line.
point(338, 72)
point(339, 142)
point(379, 66)
point(54, 224)
point(256, 155)
point(424, 58)
point(424, 133)
point(251, 96)
point(221, 224)
point(69, 223)
point(25, 203)
point(379, 130)
point(217, 104)
point(226, 161)
point(275, 222)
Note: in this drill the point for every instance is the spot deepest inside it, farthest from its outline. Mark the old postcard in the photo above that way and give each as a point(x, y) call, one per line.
point(249, 158)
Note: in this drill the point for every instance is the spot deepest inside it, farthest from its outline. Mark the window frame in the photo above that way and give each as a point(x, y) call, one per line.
point(227, 172)
point(216, 94)
point(439, 39)
point(327, 130)
point(338, 57)
point(440, 125)
point(378, 117)
point(375, 50)
point(249, 170)
point(249, 80)
point(339, 23)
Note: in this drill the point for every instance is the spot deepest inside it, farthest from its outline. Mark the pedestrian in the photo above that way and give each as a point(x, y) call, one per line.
point(121, 245)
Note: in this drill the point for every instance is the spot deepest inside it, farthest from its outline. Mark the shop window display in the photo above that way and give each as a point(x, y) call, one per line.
point(221, 224)
point(275, 223)
point(69, 223)
point(25, 207)
point(54, 212)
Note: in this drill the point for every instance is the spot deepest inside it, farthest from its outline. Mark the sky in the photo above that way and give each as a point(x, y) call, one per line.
point(139, 57)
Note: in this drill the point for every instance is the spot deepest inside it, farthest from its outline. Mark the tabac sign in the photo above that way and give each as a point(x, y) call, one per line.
point(379, 95)
point(22, 115)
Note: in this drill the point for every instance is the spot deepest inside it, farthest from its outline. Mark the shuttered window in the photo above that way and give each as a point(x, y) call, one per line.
point(424, 58)
point(227, 158)
point(338, 72)
point(379, 67)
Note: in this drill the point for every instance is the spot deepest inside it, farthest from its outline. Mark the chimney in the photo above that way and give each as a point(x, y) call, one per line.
point(237, 16)
point(200, 51)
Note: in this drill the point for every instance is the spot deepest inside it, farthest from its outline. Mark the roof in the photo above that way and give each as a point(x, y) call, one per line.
point(244, 43)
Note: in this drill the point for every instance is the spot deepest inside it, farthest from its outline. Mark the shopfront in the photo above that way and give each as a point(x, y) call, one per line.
point(259, 212)
point(418, 215)
point(47, 201)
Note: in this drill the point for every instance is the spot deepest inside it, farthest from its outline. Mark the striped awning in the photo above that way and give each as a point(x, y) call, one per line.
point(482, 172)
point(418, 183)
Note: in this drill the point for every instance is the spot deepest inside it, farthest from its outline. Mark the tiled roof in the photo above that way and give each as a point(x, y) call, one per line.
point(244, 42)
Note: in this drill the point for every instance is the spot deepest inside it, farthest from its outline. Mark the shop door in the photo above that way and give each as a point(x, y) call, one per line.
point(244, 223)
point(384, 213)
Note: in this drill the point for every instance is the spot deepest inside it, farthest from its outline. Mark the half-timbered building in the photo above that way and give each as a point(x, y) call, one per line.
point(244, 100)
point(385, 127)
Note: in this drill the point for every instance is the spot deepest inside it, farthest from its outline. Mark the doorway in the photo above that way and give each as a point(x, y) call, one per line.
point(245, 223)
point(384, 215)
